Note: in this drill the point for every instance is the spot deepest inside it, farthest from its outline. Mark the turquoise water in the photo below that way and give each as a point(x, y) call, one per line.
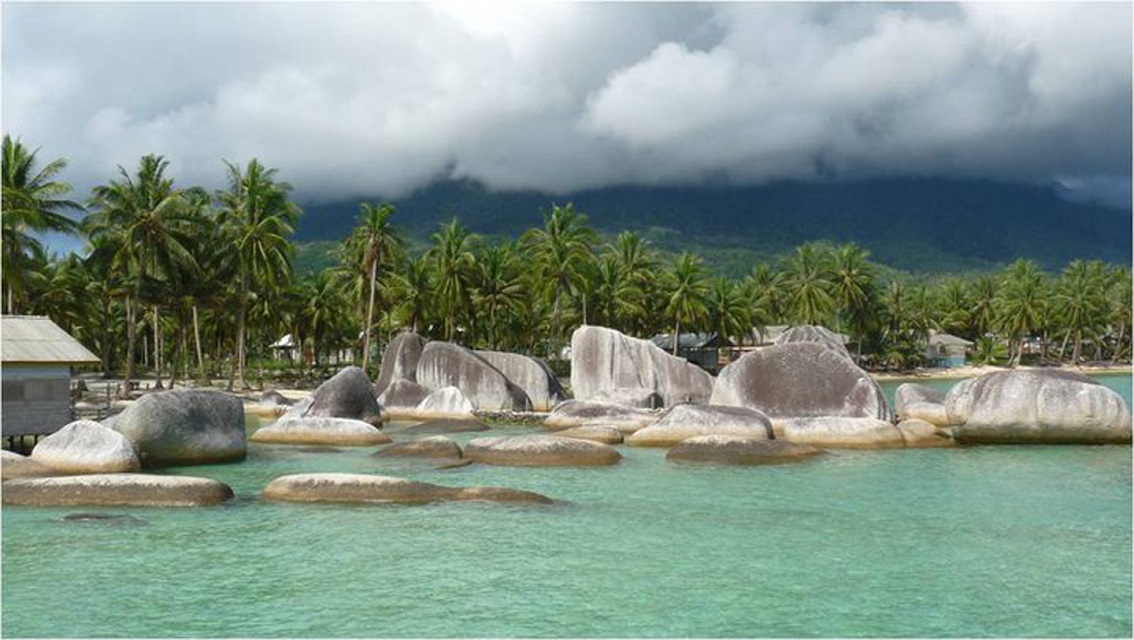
point(989, 541)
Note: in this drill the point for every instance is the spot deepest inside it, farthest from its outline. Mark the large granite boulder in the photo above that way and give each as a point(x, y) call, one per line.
point(347, 394)
point(797, 380)
point(919, 402)
point(320, 431)
point(366, 489)
point(118, 489)
point(447, 402)
point(833, 432)
point(430, 447)
point(530, 374)
point(184, 426)
point(815, 334)
point(578, 413)
point(85, 446)
point(402, 394)
point(399, 361)
point(739, 450)
point(637, 398)
point(540, 451)
point(444, 364)
point(1037, 407)
point(688, 420)
point(604, 359)
point(919, 434)
point(13, 465)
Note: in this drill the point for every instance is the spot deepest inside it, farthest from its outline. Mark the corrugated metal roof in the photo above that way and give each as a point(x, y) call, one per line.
point(948, 340)
point(36, 339)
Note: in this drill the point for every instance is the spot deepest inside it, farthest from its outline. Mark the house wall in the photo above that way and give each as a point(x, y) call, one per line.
point(35, 399)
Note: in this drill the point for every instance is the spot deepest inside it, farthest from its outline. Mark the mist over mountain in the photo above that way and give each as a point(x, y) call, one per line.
point(914, 224)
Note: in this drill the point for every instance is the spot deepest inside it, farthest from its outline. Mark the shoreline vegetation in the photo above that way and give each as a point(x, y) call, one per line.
point(188, 284)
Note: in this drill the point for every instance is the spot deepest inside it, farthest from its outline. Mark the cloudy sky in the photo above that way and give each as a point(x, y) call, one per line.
point(375, 98)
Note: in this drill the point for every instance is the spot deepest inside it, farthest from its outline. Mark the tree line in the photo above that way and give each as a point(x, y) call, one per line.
point(204, 281)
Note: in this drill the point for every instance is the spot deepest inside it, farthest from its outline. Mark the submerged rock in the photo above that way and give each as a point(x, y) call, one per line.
point(919, 434)
point(446, 426)
point(444, 364)
point(431, 447)
point(530, 374)
point(687, 420)
point(120, 489)
point(605, 435)
point(603, 360)
point(184, 426)
point(798, 380)
point(85, 446)
point(1037, 407)
point(13, 465)
point(839, 432)
point(578, 413)
point(540, 451)
point(324, 431)
point(739, 450)
point(355, 488)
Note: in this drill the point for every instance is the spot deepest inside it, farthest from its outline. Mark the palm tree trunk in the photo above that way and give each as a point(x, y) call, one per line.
point(157, 348)
point(240, 337)
point(1077, 349)
point(131, 342)
point(676, 336)
point(197, 340)
point(369, 315)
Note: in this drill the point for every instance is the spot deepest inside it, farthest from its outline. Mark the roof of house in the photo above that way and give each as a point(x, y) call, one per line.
point(688, 340)
point(38, 340)
point(948, 340)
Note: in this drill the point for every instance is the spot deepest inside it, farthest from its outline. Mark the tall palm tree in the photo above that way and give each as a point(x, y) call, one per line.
point(560, 252)
point(619, 297)
point(141, 222)
point(982, 296)
point(413, 286)
point(767, 299)
point(1080, 303)
point(853, 290)
point(1021, 304)
point(499, 286)
point(687, 293)
point(375, 239)
point(453, 264)
point(1118, 295)
point(953, 304)
point(729, 312)
point(32, 203)
point(807, 279)
point(257, 219)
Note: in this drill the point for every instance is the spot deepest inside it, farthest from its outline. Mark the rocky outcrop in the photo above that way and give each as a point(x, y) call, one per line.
point(919, 434)
point(832, 432)
point(798, 380)
point(184, 426)
point(438, 447)
point(402, 394)
point(530, 374)
point(919, 402)
point(686, 421)
point(603, 359)
point(578, 413)
point(347, 394)
point(13, 465)
point(399, 361)
point(85, 446)
point(320, 431)
point(366, 489)
point(595, 433)
point(739, 450)
point(815, 334)
point(447, 402)
point(1037, 407)
point(443, 364)
point(637, 398)
point(119, 490)
point(540, 451)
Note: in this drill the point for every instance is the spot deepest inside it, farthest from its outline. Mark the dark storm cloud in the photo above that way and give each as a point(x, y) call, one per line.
point(352, 99)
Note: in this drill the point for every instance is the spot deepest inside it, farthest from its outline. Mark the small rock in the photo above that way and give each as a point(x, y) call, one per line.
point(13, 465)
point(839, 432)
point(605, 435)
point(356, 488)
point(687, 420)
point(431, 447)
point(441, 426)
point(326, 431)
point(739, 450)
point(85, 446)
point(540, 451)
point(920, 434)
point(120, 489)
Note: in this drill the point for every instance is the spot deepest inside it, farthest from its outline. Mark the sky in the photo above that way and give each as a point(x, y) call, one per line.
point(361, 99)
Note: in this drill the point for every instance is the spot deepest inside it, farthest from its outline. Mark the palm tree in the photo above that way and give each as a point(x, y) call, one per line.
point(766, 297)
point(619, 299)
point(499, 286)
point(257, 219)
point(729, 312)
point(953, 307)
point(808, 281)
point(453, 266)
point(1021, 304)
point(853, 290)
point(560, 252)
point(412, 288)
point(141, 224)
point(1079, 304)
point(982, 296)
point(1118, 296)
point(31, 204)
point(375, 239)
point(688, 291)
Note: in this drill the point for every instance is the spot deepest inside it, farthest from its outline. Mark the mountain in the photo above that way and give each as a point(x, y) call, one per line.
point(914, 224)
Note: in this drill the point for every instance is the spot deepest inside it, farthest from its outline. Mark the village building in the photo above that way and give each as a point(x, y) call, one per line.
point(946, 350)
point(35, 376)
point(702, 349)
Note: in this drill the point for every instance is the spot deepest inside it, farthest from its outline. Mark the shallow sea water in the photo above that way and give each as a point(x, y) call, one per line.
point(982, 541)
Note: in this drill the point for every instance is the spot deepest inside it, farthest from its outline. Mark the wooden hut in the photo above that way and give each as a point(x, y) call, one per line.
point(35, 375)
point(946, 350)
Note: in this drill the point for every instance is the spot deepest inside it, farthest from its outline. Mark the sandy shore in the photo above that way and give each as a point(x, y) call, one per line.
point(972, 372)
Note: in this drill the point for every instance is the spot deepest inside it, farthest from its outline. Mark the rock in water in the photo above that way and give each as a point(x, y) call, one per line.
point(399, 361)
point(738, 450)
point(347, 394)
point(919, 434)
point(85, 446)
point(578, 413)
point(840, 433)
point(431, 447)
point(919, 402)
point(1037, 407)
point(185, 426)
point(800, 379)
point(356, 488)
point(687, 420)
point(817, 335)
point(444, 364)
point(530, 374)
point(540, 451)
point(595, 433)
point(13, 465)
point(321, 431)
point(443, 425)
point(603, 359)
point(119, 489)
